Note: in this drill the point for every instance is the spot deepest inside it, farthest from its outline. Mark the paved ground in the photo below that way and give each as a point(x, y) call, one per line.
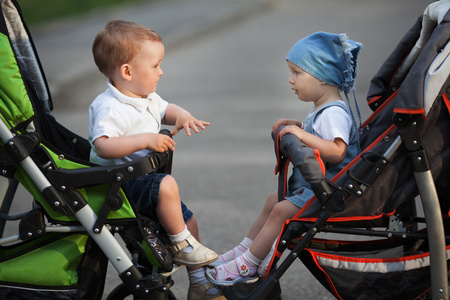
point(225, 62)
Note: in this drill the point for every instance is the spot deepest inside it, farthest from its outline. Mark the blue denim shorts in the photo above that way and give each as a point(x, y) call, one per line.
point(144, 192)
point(300, 197)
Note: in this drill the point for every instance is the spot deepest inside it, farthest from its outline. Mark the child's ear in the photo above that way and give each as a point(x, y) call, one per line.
point(125, 72)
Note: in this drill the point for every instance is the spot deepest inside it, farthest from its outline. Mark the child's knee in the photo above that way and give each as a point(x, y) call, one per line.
point(284, 210)
point(272, 200)
point(168, 187)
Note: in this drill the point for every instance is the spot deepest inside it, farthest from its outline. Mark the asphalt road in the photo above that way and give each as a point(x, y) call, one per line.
point(235, 76)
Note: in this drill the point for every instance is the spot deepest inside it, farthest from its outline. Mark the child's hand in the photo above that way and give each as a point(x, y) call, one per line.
point(187, 121)
point(160, 142)
point(285, 122)
point(292, 129)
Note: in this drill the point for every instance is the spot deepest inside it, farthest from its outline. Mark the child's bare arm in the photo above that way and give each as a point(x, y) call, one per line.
point(117, 147)
point(181, 118)
point(331, 151)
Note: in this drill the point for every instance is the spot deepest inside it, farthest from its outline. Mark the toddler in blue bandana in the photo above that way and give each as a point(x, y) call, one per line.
point(321, 66)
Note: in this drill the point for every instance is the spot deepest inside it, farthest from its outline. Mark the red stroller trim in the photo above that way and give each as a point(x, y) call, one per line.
point(385, 103)
point(446, 101)
point(419, 111)
point(328, 279)
point(320, 161)
point(373, 100)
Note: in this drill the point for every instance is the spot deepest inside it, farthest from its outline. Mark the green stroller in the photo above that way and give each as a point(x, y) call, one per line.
point(66, 238)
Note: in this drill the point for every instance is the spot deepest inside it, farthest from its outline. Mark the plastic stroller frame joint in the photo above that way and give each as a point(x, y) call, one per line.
point(153, 287)
point(410, 129)
point(32, 225)
point(18, 148)
point(7, 171)
point(67, 203)
point(113, 202)
point(373, 164)
point(419, 161)
point(323, 190)
point(293, 231)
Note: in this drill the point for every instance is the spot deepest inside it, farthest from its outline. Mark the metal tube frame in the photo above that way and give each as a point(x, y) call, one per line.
point(436, 235)
point(105, 240)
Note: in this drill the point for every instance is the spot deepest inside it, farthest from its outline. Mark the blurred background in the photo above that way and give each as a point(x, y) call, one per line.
point(225, 63)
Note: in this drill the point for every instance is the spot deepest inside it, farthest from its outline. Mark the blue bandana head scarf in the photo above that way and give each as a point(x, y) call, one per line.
point(331, 58)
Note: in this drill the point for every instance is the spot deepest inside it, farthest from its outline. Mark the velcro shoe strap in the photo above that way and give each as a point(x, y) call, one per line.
point(243, 268)
point(180, 246)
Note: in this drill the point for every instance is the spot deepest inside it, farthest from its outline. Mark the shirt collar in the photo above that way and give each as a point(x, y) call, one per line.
point(139, 103)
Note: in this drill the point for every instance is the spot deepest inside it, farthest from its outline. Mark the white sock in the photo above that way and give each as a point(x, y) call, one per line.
point(179, 237)
point(198, 277)
point(246, 243)
point(238, 250)
point(248, 258)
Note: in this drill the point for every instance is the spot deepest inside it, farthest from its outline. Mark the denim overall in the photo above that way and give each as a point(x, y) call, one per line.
point(299, 191)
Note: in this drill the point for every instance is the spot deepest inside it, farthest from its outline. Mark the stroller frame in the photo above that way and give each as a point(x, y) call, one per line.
point(138, 284)
point(333, 203)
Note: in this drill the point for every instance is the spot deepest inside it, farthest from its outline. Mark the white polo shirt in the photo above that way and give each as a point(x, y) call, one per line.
point(114, 114)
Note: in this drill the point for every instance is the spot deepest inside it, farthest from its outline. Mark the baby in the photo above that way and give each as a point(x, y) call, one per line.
point(321, 65)
point(124, 125)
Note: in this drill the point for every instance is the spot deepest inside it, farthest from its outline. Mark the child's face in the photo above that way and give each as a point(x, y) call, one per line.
point(146, 69)
point(307, 87)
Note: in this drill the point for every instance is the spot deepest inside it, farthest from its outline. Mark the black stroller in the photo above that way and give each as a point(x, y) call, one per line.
point(405, 158)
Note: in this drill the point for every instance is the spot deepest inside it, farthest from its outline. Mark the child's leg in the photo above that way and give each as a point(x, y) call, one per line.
point(272, 200)
point(245, 266)
point(199, 286)
point(158, 193)
point(187, 250)
point(280, 213)
point(169, 209)
point(245, 244)
point(192, 226)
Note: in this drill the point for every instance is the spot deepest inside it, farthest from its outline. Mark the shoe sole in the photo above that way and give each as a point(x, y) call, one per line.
point(196, 264)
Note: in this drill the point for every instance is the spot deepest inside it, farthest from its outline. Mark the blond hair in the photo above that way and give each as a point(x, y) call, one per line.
point(118, 43)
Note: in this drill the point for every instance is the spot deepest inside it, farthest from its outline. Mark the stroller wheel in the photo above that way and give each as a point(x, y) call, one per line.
point(121, 292)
